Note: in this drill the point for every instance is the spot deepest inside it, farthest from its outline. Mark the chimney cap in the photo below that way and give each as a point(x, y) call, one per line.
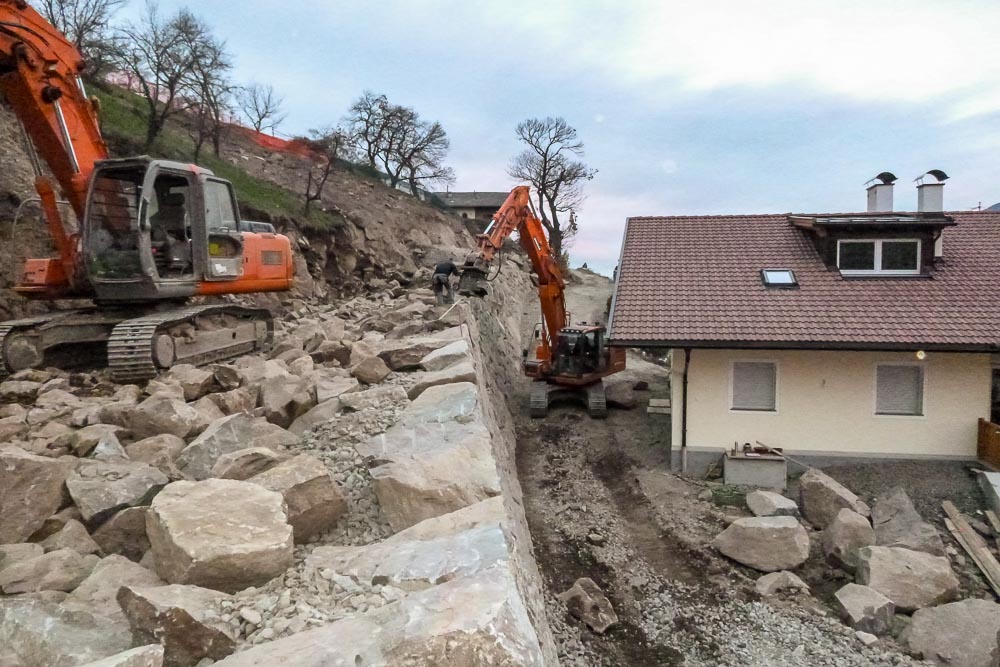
point(936, 173)
point(887, 178)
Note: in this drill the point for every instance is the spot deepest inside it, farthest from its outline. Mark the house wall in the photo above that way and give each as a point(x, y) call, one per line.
point(826, 404)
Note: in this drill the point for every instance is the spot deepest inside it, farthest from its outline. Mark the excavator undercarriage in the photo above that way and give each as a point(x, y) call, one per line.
point(137, 347)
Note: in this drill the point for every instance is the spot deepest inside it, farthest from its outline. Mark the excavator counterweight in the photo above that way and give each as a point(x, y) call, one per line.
point(150, 235)
point(566, 361)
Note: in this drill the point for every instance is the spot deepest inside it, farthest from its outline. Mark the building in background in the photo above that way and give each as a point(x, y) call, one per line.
point(835, 335)
point(477, 208)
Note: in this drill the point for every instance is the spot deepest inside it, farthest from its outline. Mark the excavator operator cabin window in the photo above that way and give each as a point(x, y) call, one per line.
point(220, 209)
point(170, 226)
point(112, 229)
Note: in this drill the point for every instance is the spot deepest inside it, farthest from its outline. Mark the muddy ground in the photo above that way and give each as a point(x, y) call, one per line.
point(602, 503)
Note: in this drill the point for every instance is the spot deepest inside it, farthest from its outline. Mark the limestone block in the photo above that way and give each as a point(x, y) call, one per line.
point(845, 535)
point(31, 490)
point(245, 463)
point(822, 497)
point(101, 488)
point(897, 524)
point(452, 353)
point(46, 634)
point(124, 534)
point(61, 570)
point(959, 634)
point(73, 535)
point(911, 579)
point(765, 543)
point(865, 609)
point(219, 533)
point(769, 503)
point(313, 499)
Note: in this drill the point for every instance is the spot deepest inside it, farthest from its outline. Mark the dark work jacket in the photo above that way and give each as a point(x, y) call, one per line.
point(446, 268)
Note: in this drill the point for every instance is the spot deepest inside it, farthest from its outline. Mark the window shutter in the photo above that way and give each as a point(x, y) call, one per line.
point(754, 385)
point(899, 390)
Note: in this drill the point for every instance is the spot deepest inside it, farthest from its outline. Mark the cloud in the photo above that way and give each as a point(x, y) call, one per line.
point(669, 166)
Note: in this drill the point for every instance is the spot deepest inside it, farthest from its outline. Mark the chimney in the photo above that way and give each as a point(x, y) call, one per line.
point(930, 199)
point(880, 193)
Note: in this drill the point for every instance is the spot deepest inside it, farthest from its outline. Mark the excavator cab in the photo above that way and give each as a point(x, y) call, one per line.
point(158, 230)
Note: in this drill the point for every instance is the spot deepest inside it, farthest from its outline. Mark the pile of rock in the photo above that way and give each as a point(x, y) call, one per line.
point(897, 560)
point(245, 502)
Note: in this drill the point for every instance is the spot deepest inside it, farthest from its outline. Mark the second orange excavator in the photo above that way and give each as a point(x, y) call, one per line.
point(566, 360)
point(152, 233)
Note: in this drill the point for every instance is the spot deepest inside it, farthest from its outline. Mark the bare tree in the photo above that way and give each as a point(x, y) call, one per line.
point(212, 93)
point(394, 139)
point(330, 145)
point(368, 124)
point(85, 23)
point(261, 106)
point(550, 164)
point(422, 158)
point(161, 56)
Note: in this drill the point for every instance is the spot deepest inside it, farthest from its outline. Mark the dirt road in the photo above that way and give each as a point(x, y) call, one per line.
point(602, 503)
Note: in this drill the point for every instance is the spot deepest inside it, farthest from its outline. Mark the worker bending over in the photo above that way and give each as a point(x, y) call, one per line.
point(442, 281)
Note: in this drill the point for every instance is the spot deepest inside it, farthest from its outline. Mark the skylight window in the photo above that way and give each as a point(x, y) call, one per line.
point(780, 278)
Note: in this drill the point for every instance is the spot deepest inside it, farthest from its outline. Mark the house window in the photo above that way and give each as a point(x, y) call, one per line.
point(754, 386)
point(896, 257)
point(899, 390)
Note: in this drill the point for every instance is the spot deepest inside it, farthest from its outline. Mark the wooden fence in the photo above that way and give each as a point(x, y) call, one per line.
point(988, 445)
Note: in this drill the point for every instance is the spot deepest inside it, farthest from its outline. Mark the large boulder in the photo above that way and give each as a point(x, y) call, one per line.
point(15, 553)
point(320, 414)
point(98, 592)
point(242, 399)
point(911, 579)
point(585, 600)
point(768, 544)
point(226, 435)
point(405, 355)
point(411, 563)
point(477, 620)
point(102, 488)
point(83, 441)
point(31, 490)
point(219, 533)
point(373, 399)
point(450, 354)
point(769, 503)
point(822, 497)
point(845, 535)
point(124, 534)
point(184, 619)
point(959, 634)
point(897, 524)
point(284, 399)
point(864, 608)
point(329, 387)
point(61, 570)
point(44, 634)
point(313, 499)
point(461, 372)
point(162, 414)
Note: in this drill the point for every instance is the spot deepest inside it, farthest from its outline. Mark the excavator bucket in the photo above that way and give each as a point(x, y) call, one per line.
point(473, 281)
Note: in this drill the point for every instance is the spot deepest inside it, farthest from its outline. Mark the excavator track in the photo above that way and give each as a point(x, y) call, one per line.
point(138, 348)
point(539, 400)
point(13, 327)
point(597, 401)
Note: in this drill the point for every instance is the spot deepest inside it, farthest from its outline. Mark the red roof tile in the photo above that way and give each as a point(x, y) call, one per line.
point(696, 280)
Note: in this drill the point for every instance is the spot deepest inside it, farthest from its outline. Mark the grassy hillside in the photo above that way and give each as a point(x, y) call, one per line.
point(123, 123)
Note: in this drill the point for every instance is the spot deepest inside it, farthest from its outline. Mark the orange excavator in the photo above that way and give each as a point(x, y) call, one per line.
point(566, 360)
point(150, 234)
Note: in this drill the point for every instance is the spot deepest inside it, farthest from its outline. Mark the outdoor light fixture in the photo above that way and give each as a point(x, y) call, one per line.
point(921, 355)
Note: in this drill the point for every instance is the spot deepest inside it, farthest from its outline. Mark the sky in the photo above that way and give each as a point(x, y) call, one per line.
point(684, 107)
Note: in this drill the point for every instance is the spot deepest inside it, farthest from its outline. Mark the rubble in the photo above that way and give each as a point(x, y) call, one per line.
point(73, 535)
point(124, 534)
point(245, 463)
point(43, 633)
point(227, 435)
point(452, 353)
point(370, 370)
point(98, 592)
point(161, 414)
point(144, 656)
point(60, 570)
point(779, 582)
point(313, 501)
point(221, 534)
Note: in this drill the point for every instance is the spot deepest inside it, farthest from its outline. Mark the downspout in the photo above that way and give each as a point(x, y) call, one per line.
point(684, 411)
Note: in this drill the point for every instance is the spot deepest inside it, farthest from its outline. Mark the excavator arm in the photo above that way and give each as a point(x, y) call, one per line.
point(40, 77)
point(517, 214)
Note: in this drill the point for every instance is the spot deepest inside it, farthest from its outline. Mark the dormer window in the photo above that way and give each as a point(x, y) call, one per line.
point(878, 257)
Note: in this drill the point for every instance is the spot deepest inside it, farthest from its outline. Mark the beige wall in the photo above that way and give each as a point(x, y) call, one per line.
point(826, 404)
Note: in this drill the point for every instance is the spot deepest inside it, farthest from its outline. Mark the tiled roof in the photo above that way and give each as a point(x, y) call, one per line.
point(696, 280)
point(473, 199)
